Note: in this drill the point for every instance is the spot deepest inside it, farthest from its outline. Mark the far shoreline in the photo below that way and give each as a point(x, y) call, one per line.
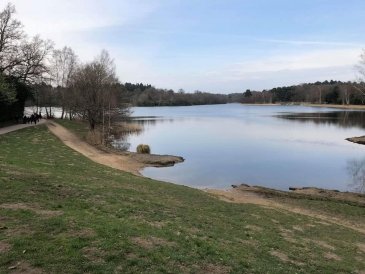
point(354, 107)
point(360, 140)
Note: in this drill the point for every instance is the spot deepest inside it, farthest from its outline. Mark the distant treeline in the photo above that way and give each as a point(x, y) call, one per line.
point(327, 92)
point(147, 95)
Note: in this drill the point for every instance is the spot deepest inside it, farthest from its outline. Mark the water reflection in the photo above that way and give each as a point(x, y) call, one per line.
point(273, 146)
point(150, 121)
point(121, 144)
point(356, 169)
point(345, 119)
point(120, 139)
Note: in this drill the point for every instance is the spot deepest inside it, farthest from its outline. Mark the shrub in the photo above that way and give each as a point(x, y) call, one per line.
point(94, 138)
point(145, 149)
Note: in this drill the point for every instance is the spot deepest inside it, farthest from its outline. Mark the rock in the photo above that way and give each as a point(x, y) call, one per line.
point(357, 140)
point(295, 188)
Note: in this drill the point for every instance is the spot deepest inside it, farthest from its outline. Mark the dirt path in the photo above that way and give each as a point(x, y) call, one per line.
point(120, 162)
point(8, 129)
point(247, 197)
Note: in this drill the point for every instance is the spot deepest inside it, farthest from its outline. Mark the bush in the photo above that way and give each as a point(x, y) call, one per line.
point(94, 138)
point(145, 149)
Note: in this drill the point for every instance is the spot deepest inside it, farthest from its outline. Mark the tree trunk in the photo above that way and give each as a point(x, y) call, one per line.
point(109, 122)
point(103, 131)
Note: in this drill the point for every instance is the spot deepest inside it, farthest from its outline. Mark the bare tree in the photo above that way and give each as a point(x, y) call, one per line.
point(45, 97)
point(20, 58)
point(34, 60)
point(360, 85)
point(64, 63)
point(345, 94)
point(11, 36)
point(94, 85)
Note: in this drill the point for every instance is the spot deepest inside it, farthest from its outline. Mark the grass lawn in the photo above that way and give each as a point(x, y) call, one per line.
point(62, 213)
point(80, 128)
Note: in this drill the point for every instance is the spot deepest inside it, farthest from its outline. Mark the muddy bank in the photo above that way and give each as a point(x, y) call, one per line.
point(126, 161)
point(295, 201)
point(358, 107)
point(305, 192)
point(266, 196)
point(357, 140)
point(156, 160)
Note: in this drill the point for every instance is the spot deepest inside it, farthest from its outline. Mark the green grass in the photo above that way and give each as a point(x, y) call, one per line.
point(351, 211)
point(80, 128)
point(345, 211)
point(62, 213)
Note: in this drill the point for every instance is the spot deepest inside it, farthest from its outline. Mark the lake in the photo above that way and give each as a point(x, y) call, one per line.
point(271, 146)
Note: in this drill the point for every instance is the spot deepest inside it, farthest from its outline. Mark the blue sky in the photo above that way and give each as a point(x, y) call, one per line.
point(210, 45)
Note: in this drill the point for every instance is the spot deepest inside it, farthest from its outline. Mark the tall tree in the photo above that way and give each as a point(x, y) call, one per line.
point(23, 62)
point(11, 36)
point(94, 85)
point(360, 86)
point(64, 63)
point(19, 57)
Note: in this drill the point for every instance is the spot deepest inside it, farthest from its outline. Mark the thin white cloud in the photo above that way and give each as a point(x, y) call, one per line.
point(275, 70)
point(309, 43)
point(68, 22)
point(297, 61)
point(48, 17)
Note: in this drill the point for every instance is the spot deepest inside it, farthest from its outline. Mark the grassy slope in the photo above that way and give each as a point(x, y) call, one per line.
point(77, 127)
point(350, 211)
point(112, 221)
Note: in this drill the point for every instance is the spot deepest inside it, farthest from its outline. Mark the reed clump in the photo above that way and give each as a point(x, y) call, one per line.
point(127, 128)
point(94, 138)
point(143, 149)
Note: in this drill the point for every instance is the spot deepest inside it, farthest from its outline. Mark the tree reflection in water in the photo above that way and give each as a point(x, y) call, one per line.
point(344, 119)
point(356, 169)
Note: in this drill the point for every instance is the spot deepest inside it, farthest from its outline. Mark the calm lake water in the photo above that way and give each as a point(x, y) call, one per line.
point(272, 146)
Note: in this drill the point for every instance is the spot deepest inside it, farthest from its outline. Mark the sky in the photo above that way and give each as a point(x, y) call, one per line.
point(218, 46)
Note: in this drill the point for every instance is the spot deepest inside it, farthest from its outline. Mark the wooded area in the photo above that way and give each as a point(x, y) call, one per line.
point(33, 71)
point(327, 92)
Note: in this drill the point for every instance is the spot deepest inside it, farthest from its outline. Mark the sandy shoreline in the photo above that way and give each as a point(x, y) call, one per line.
point(355, 107)
point(125, 161)
point(357, 140)
point(245, 194)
